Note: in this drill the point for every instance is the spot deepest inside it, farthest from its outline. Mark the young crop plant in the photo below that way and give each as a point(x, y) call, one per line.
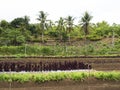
point(78, 76)
point(58, 76)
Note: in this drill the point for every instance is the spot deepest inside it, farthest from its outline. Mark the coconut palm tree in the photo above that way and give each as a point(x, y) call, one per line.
point(26, 21)
point(61, 27)
point(69, 25)
point(85, 22)
point(43, 24)
point(50, 25)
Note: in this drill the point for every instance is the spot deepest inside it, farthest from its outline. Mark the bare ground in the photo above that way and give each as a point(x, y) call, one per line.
point(88, 84)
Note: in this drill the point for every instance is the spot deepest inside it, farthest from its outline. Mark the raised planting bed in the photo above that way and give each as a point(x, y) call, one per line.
point(98, 63)
point(42, 66)
point(54, 79)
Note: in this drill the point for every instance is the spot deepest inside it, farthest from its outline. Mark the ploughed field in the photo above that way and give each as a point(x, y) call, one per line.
point(64, 85)
point(42, 66)
point(58, 63)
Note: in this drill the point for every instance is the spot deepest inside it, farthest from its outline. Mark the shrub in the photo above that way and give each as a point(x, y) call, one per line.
point(46, 51)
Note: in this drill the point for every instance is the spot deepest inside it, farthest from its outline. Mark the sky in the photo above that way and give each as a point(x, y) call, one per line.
point(107, 10)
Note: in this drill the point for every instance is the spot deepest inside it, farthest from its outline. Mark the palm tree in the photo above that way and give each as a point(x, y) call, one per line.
point(85, 21)
point(24, 24)
point(43, 25)
point(50, 25)
point(69, 25)
point(26, 21)
point(61, 27)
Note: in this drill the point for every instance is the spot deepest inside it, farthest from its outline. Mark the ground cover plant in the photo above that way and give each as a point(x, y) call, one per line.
point(42, 77)
point(97, 49)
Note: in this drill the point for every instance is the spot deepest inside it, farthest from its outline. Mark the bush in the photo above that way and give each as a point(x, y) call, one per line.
point(53, 34)
point(46, 51)
point(94, 37)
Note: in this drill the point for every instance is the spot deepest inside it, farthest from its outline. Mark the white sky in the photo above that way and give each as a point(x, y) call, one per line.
point(107, 10)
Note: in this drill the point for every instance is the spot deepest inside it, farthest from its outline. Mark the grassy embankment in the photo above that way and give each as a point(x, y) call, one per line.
point(58, 76)
point(96, 49)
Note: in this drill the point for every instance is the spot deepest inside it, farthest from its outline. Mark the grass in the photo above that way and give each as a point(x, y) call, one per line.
point(96, 49)
point(58, 76)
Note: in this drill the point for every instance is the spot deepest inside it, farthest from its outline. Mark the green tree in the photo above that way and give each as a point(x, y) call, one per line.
point(116, 29)
point(102, 28)
point(4, 24)
point(33, 30)
point(12, 37)
point(52, 32)
point(85, 22)
point(20, 21)
point(26, 22)
point(43, 22)
point(50, 24)
point(17, 22)
point(61, 28)
point(69, 25)
point(22, 24)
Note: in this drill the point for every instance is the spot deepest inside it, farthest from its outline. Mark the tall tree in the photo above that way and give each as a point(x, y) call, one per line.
point(85, 21)
point(61, 27)
point(22, 24)
point(102, 28)
point(69, 25)
point(43, 22)
point(26, 21)
point(4, 24)
point(17, 22)
point(50, 24)
point(12, 37)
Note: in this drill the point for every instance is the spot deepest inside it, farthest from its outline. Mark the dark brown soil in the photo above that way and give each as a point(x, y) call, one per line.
point(97, 63)
point(89, 84)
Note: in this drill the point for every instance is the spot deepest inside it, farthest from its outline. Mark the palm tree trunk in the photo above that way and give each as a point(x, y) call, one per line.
point(61, 37)
point(42, 37)
point(65, 48)
point(85, 43)
point(69, 38)
point(113, 38)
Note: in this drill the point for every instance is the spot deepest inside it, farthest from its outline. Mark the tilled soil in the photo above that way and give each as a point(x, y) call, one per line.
point(97, 63)
point(89, 84)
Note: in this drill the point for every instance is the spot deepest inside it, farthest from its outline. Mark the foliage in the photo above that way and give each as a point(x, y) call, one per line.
point(58, 50)
point(58, 76)
point(20, 22)
point(12, 37)
point(65, 29)
point(115, 76)
point(94, 37)
point(85, 21)
point(62, 32)
point(78, 76)
point(43, 22)
point(102, 28)
point(4, 24)
point(46, 51)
